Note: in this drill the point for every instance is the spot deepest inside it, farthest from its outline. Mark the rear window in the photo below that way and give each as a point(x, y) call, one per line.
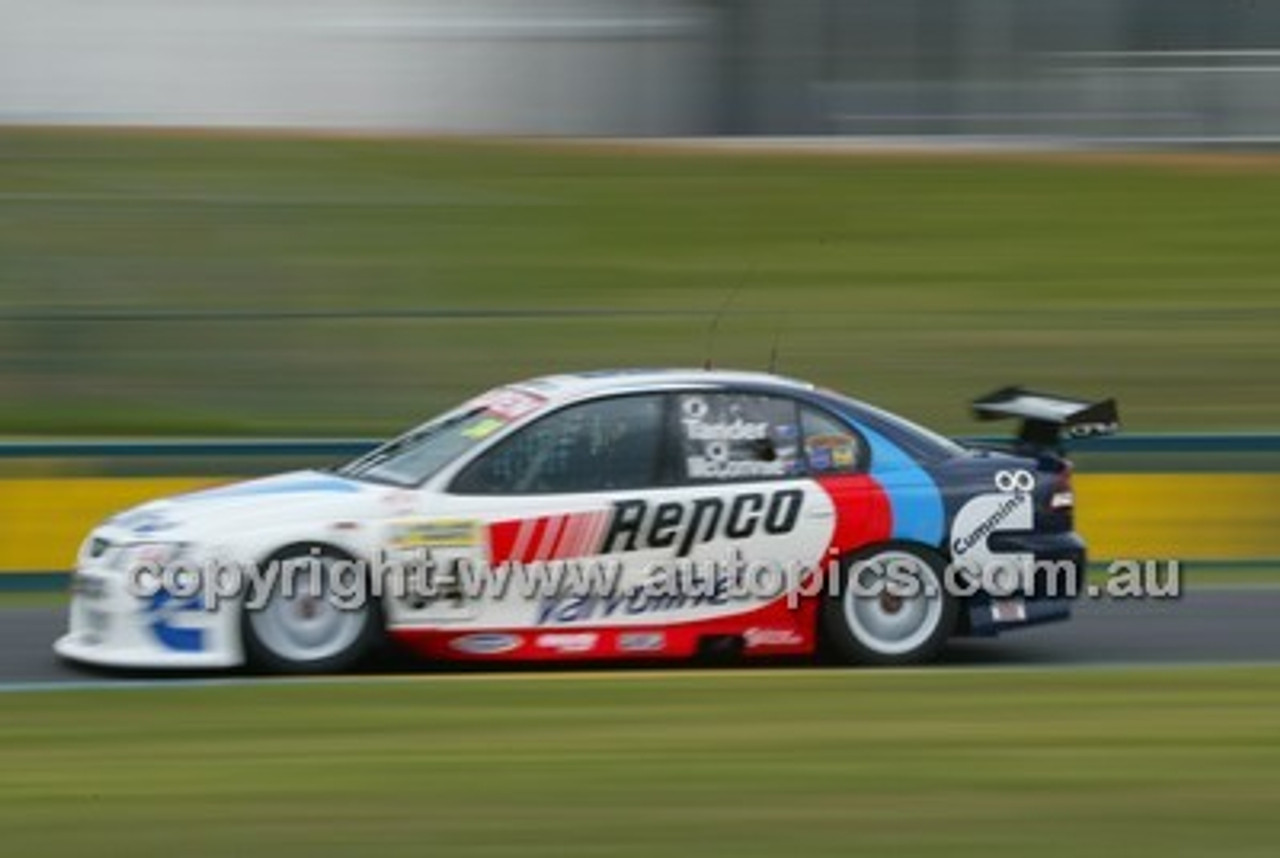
point(921, 442)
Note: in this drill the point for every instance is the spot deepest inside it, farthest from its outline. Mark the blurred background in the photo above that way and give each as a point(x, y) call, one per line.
point(1132, 69)
point(372, 209)
point(331, 219)
point(238, 236)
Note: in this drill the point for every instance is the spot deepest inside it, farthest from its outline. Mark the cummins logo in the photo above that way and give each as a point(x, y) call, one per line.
point(637, 524)
point(995, 519)
point(1010, 509)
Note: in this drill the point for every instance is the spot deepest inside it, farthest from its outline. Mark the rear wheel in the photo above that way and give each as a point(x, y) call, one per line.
point(308, 623)
point(891, 608)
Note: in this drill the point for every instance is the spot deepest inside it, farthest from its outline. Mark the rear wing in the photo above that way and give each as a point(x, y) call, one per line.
point(1046, 418)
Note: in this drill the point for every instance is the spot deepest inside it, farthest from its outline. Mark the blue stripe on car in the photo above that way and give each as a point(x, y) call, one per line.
point(316, 483)
point(918, 513)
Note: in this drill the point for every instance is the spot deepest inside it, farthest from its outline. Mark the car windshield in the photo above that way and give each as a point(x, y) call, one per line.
point(421, 452)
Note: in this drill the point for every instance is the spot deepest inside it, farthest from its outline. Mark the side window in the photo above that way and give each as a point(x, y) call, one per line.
point(736, 436)
point(830, 447)
point(596, 446)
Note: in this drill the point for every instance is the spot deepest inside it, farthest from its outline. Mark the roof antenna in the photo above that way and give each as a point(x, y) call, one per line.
point(777, 335)
point(724, 306)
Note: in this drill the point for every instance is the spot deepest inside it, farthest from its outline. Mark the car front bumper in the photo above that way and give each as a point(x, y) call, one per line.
point(112, 627)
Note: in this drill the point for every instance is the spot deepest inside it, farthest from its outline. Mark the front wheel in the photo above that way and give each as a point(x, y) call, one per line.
point(891, 608)
point(315, 619)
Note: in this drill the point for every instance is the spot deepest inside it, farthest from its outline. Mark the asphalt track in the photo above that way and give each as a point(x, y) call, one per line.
point(1238, 625)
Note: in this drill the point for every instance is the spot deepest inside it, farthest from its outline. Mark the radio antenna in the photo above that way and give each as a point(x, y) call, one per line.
point(777, 335)
point(724, 307)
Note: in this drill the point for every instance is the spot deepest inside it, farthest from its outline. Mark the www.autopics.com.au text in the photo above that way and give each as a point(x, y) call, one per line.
point(350, 584)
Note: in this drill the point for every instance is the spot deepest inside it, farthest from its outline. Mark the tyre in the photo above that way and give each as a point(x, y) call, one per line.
point(891, 607)
point(302, 626)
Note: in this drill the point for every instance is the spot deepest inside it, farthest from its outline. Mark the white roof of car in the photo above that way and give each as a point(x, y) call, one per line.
point(584, 384)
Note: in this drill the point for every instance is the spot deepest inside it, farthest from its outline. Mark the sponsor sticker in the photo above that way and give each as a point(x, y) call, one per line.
point(145, 521)
point(984, 515)
point(638, 524)
point(483, 429)
point(434, 533)
point(486, 643)
point(176, 623)
point(1015, 481)
point(567, 642)
point(830, 452)
point(1088, 430)
point(756, 637)
point(509, 403)
point(642, 641)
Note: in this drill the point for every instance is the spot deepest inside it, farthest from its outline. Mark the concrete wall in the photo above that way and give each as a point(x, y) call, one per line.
point(468, 66)
point(1045, 68)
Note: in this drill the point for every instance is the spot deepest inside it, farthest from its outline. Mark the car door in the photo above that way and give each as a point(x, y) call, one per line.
point(545, 503)
point(764, 523)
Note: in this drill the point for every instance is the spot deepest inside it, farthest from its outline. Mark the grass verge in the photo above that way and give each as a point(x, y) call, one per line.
point(180, 284)
point(1169, 762)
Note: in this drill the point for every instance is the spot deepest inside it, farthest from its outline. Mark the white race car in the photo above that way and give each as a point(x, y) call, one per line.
point(631, 514)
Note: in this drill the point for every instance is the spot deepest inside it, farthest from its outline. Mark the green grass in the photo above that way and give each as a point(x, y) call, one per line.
point(915, 282)
point(1168, 762)
point(31, 598)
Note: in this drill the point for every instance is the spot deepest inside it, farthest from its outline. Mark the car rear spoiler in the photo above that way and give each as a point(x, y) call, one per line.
point(1047, 417)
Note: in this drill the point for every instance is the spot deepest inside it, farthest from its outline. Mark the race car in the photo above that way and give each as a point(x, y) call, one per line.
point(655, 514)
